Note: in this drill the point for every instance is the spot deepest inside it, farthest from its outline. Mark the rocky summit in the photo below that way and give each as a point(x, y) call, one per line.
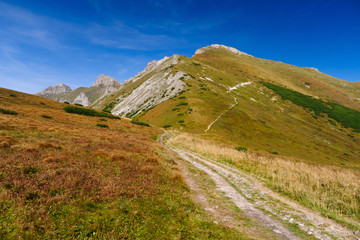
point(55, 92)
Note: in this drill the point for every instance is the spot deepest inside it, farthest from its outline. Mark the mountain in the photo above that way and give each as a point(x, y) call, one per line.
point(55, 92)
point(102, 87)
point(221, 93)
point(224, 94)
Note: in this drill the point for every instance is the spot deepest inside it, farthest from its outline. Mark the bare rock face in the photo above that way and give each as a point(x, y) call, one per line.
point(231, 49)
point(55, 92)
point(161, 84)
point(105, 80)
point(82, 99)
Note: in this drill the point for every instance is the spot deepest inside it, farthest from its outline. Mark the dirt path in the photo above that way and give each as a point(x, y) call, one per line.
point(278, 212)
point(221, 114)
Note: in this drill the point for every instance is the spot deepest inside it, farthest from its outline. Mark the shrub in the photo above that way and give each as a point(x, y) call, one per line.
point(66, 102)
point(307, 83)
point(183, 97)
point(180, 114)
point(88, 112)
point(140, 123)
point(167, 126)
point(175, 109)
point(332, 122)
point(102, 125)
point(181, 121)
point(196, 64)
point(78, 104)
point(275, 153)
point(182, 104)
point(29, 170)
point(12, 95)
point(102, 119)
point(42, 103)
point(241, 148)
point(346, 154)
point(46, 116)
point(4, 111)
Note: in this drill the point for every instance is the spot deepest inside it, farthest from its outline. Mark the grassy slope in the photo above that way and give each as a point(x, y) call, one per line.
point(66, 178)
point(255, 124)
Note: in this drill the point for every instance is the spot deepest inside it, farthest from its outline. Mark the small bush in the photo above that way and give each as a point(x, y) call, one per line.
point(175, 109)
point(102, 125)
point(182, 97)
point(78, 104)
point(4, 111)
point(29, 170)
point(196, 64)
point(182, 104)
point(181, 121)
point(167, 126)
point(46, 116)
point(346, 154)
point(88, 112)
point(102, 119)
point(12, 95)
point(332, 122)
point(180, 114)
point(275, 153)
point(140, 123)
point(66, 102)
point(42, 103)
point(241, 148)
point(307, 83)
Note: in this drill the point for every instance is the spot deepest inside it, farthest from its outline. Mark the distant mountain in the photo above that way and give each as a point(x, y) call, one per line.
point(55, 92)
point(103, 86)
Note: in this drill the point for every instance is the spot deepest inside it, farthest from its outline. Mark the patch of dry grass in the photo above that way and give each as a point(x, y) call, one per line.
point(68, 179)
point(333, 190)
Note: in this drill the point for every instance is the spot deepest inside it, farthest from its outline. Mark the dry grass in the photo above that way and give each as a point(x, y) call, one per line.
point(68, 179)
point(333, 190)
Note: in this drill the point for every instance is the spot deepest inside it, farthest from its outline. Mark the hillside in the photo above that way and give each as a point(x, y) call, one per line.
point(225, 99)
point(72, 176)
point(224, 94)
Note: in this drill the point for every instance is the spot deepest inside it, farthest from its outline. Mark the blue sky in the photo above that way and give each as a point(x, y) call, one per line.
point(45, 42)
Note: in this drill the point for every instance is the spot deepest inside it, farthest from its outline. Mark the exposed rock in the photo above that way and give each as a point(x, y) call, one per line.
point(160, 87)
point(55, 92)
point(231, 49)
point(105, 80)
point(82, 99)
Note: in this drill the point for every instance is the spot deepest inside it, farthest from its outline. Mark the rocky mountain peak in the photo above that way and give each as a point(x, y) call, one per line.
point(231, 49)
point(54, 90)
point(105, 80)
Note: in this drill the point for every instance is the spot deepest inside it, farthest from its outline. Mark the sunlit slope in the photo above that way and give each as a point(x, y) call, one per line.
point(72, 176)
point(225, 87)
point(305, 80)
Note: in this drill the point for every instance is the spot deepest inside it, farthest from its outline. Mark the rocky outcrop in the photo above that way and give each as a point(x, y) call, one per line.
point(157, 89)
point(218, 46)
point(156, 84)
point(105, 80)
point(82, 99)
point(55, 92)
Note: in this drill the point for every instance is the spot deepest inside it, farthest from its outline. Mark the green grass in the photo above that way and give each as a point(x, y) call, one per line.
point(88, 112)
point(9, 112)
point(348, 117)
point(241, 148)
